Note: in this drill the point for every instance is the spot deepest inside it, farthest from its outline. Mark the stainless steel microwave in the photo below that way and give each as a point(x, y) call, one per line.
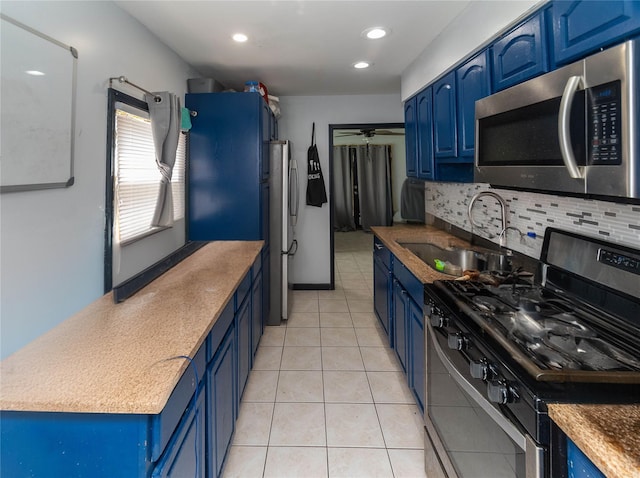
point(574, 130)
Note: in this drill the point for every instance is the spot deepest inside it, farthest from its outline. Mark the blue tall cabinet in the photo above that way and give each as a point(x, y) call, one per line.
point(229, 166)
point(229, 172)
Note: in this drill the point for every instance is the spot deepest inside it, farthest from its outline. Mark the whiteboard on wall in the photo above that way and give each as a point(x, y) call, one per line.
point(37, 104)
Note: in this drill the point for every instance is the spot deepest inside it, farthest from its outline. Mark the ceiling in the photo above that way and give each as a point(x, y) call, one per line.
point(298, 47)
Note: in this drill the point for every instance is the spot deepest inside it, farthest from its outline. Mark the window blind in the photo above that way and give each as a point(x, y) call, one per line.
point(137, 178)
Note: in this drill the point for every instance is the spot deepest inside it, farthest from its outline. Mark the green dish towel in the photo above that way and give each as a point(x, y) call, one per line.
point(185, 124)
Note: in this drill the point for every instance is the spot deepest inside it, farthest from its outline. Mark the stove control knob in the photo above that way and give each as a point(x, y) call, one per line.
point(479, 369)
point(456, 341)
point(437, 319)
point(499, 392)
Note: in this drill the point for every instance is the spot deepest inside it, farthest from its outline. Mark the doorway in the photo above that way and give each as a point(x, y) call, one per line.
point(360, 135)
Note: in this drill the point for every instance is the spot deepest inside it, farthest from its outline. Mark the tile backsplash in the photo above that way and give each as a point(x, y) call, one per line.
point(532, 213)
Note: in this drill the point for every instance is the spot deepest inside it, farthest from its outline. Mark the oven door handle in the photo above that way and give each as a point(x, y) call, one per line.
point(508, 427)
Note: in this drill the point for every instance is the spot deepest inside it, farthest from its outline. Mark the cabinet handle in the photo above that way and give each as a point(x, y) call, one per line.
point(378, 247)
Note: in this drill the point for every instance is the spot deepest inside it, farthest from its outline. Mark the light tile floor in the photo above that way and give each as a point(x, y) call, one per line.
point(326, 396)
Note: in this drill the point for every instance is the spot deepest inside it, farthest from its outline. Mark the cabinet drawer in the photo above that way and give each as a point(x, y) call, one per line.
point(414, 287)
point(163, 424)
point(381, 252)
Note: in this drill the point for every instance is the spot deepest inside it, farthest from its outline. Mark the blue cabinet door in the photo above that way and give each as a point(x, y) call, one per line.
point(410, 135)
point(400, 298)
point(424, 112)
point(256, 313)
point(226, 165)
point(381, 278)
point(417, 359)
point(268, 133)
point(222, 402)
point(185, 453)
point(521, 53)
point(444, 117)
point(243, 328)
point(265, 219)
point(582, 27)
point(473, 82)
point(579, 465)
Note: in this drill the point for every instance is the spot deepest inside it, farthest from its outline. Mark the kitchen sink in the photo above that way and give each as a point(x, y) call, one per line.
point(455, 260)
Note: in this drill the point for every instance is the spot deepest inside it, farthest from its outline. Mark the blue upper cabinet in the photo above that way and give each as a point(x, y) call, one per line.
point(520, 54)
point(583, 26)
point(473, 82)
point(424, 107)
point(410, 137)
point(228, 161)
point(444, 117)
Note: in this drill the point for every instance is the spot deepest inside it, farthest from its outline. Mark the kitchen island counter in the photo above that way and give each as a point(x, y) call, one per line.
point(126, 357)
point(609, 435)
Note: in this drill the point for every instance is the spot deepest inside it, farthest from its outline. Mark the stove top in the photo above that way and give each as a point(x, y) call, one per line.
point(556, 337)
point(579, 323)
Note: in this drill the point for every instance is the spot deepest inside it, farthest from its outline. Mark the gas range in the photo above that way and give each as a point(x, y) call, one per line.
point(511, 346)
point(554, 337)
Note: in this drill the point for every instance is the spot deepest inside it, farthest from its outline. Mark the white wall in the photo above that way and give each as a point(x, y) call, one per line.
point(311, 264)
point(51, 242)
point(475, 26)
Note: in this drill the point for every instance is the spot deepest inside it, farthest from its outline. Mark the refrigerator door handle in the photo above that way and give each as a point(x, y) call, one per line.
point(293, 248)
point(294, 197)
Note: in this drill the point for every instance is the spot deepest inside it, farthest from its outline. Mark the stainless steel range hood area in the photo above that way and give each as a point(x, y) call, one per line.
point(573, 130)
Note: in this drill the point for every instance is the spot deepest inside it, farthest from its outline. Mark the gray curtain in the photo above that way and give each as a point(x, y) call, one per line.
point(165, 114)
point(374, 185)
point(343, 189)
point(371, 163)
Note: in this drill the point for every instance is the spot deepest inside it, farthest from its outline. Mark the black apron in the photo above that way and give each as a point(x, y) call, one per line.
point(316, 193)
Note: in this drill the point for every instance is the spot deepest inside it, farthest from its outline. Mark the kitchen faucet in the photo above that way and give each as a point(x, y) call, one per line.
point(503, 211)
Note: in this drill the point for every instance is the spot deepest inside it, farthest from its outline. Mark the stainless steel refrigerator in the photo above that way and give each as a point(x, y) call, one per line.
point(283, 214)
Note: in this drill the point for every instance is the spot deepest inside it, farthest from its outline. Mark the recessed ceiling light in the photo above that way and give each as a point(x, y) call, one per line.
point(374, 33)
point(240, 37)
point(34, 73)
point(362, 64)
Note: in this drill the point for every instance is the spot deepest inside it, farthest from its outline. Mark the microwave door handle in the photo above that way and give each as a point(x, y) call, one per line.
point(564, 135)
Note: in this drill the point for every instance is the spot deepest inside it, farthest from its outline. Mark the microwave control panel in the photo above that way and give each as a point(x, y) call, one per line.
point(604, 125)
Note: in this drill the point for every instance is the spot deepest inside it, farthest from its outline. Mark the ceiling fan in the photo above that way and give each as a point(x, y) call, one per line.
point(370, 133)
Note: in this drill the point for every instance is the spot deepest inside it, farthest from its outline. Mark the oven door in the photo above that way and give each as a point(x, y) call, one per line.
point(466, 435)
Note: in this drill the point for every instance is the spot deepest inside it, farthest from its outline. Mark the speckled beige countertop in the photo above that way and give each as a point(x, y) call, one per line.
point(118, 358)
point(417, 233)
point(608, 434)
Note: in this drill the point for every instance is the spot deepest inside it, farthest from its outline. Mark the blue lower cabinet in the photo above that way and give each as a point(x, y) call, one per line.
point(189, 438)
point(417, 353)
point(185, 455)
point(400, 322)
point(256, 313)
point(408, 326)
point(579, 465)
point(222, 404)
point(73, 445)
point(245, 354)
